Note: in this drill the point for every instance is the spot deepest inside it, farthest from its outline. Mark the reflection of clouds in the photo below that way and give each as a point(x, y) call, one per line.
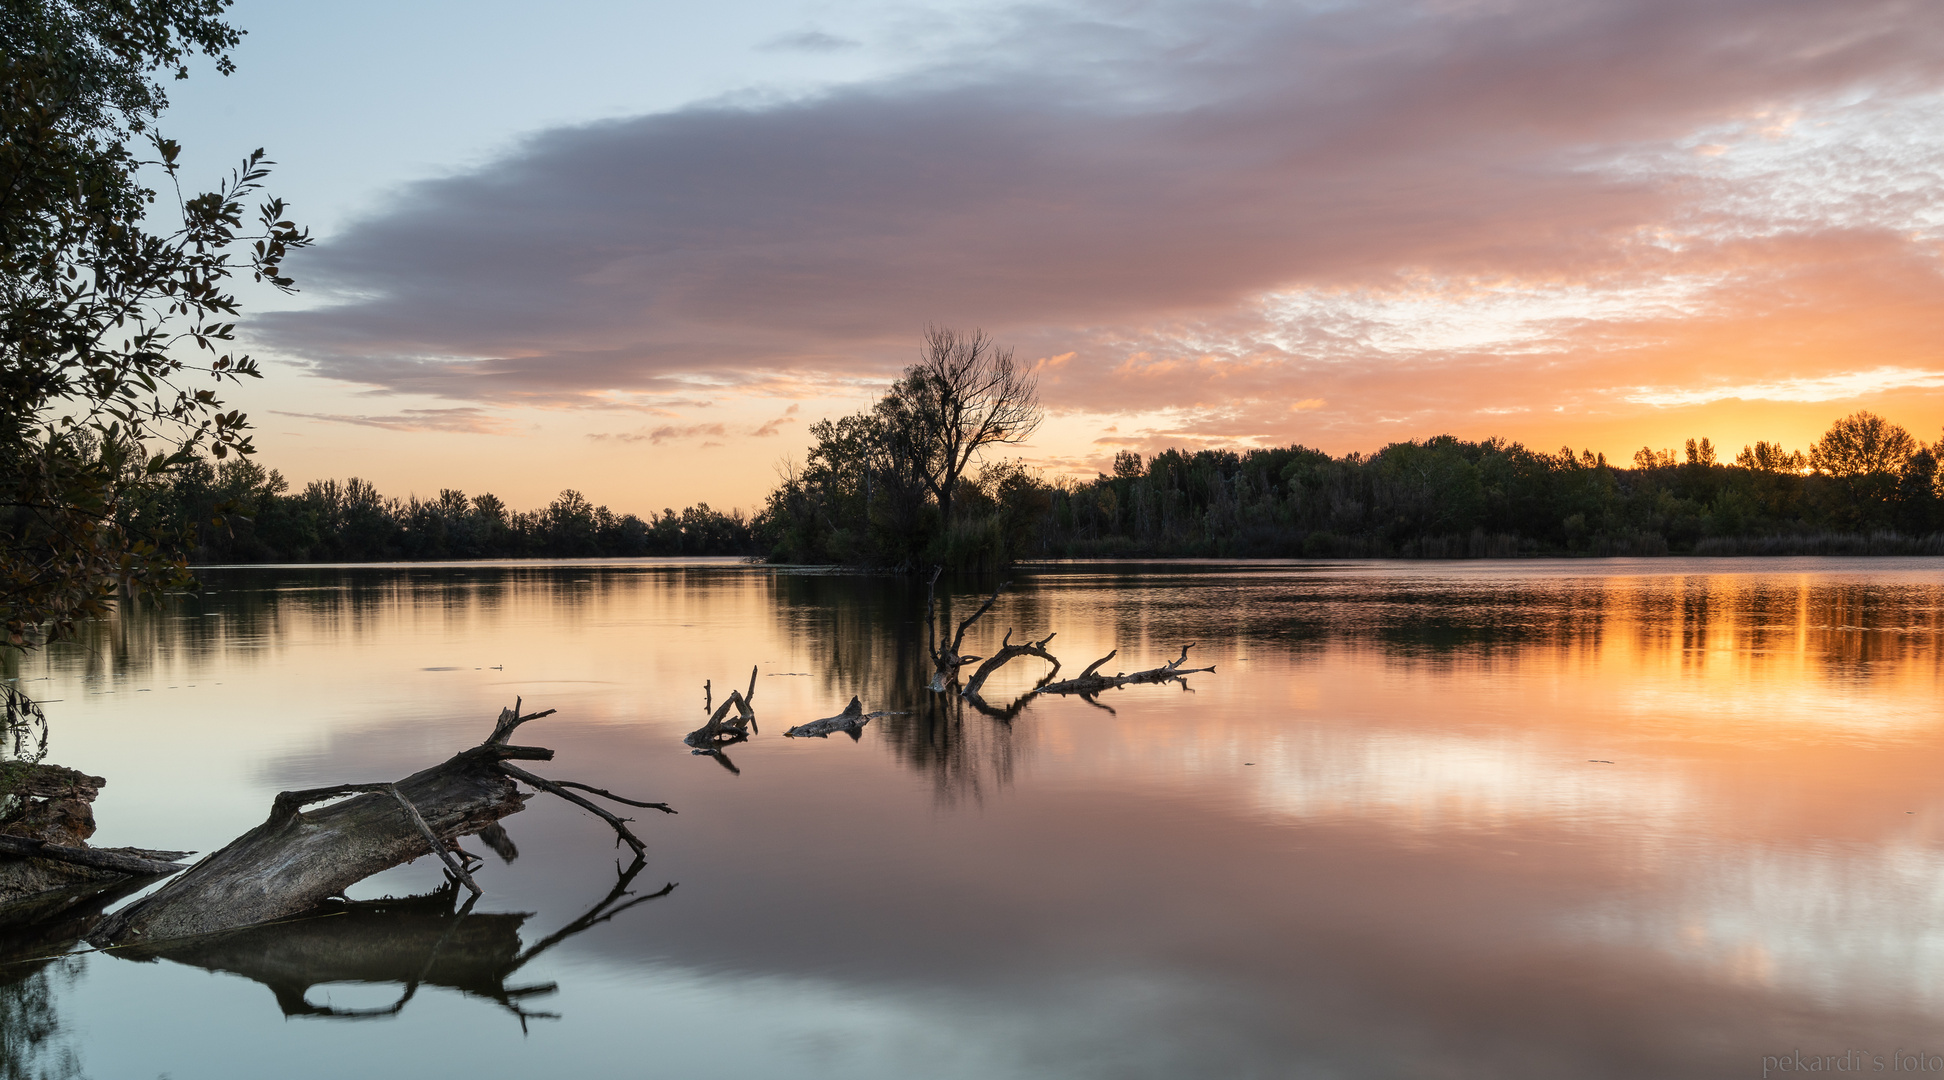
point(1104, 1022)
point(1123, 889)
point(1839, 923)
point(1442, 782)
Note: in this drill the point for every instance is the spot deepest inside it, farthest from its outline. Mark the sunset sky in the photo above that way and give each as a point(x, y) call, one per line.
point(636, 249)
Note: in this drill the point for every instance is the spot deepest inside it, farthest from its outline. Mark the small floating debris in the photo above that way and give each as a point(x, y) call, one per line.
point(851, 722)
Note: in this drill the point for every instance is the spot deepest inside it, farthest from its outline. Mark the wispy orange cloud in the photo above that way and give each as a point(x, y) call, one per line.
point(467, 420)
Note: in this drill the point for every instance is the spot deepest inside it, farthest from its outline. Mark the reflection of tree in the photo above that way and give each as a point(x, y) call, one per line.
point(868, 636)
point(428, 940)
point(33, 936)
point(30, 1043)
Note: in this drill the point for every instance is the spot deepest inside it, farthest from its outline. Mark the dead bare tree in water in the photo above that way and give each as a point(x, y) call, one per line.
point(947, 660)
point(1089, 682)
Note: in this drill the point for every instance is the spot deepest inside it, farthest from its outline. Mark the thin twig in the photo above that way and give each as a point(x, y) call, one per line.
point(662, 806)
point(542, 783)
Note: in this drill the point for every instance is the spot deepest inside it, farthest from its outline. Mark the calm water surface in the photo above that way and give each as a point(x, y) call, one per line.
point(1586, 819)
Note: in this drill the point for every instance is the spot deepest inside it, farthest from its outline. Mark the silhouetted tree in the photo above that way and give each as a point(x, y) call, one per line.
point(963, 395)
point(100, 318)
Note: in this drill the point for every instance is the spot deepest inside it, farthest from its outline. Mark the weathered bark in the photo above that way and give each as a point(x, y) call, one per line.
point(1088, 682)
point(298, 858)
point(851, 721)
point(1008, 651)
point(44, 836)
point(116, 860)
point(28, 780)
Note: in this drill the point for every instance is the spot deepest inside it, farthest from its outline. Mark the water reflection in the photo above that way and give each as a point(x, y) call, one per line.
point(31, 1042)
point(1512, 820)
point(413, 942)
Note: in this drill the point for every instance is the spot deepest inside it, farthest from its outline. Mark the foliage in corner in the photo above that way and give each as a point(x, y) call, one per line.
point(114, 336)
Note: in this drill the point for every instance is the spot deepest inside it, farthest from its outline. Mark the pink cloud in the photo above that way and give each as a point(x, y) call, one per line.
point(1427, 215)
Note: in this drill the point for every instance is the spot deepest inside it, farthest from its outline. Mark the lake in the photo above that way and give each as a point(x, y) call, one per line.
point(1655, 818)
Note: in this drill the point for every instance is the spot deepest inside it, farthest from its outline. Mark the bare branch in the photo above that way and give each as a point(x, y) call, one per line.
point(619, 824)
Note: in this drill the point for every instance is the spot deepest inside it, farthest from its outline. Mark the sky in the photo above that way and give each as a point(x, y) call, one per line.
point(636, 249)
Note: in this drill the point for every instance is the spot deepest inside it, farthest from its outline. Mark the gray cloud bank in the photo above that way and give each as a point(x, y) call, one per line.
point(1074, 182)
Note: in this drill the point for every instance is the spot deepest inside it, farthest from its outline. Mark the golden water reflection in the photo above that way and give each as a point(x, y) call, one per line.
point(1509, 813)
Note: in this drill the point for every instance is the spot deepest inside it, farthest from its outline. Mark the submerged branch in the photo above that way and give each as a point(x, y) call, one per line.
point(1091, 683)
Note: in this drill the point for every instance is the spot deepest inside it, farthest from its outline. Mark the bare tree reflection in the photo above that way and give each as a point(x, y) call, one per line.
point(427, 940)
point(868, 636)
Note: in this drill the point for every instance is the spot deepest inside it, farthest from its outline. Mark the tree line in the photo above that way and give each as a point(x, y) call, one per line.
point(236, 511)
point(1867, 486)
point(908, 483)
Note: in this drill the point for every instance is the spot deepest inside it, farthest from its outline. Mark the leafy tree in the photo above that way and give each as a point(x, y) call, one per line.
point(107, 325)
point(1862, 444)
point(1771, 458)
point(1867, 455)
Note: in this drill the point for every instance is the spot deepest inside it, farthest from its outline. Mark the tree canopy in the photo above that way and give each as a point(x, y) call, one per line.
point(114, 334)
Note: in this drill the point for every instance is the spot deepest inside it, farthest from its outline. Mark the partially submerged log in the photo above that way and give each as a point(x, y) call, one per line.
point(851, 722)
point(722, 729)
point(1090, 682)
point(1007, 652)
point(45, 824)
point(297, 859)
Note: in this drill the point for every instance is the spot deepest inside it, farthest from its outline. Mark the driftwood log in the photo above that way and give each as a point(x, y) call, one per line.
point(297, 859)
point(723, 729)
point(1091, 682)
point(44, 829)
point(851, 722)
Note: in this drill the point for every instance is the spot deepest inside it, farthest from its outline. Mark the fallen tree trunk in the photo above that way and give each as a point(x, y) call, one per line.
point(296, 859)
point(1089, 682)
point(135, 861)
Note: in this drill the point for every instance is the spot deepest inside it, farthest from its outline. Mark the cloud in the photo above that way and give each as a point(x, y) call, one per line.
point(810, 41)
point(1407, 209)
point(468, 420)
point(659, 435)
point(773, 427)
point(1849, 384)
